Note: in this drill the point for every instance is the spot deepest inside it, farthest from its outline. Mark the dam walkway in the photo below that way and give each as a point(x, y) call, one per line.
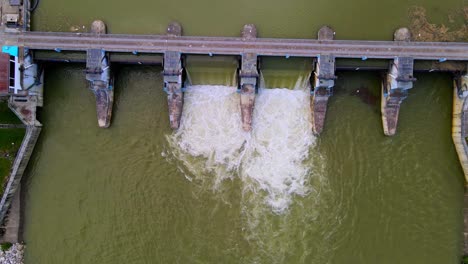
point(236, 46)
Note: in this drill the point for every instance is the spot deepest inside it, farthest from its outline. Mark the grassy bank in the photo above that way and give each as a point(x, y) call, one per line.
point(10, 141)
point(6, 115)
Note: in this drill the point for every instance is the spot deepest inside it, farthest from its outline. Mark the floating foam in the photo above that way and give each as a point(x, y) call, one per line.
point(268, 160)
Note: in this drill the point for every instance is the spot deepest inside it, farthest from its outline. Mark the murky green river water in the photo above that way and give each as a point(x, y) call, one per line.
point(135, 193)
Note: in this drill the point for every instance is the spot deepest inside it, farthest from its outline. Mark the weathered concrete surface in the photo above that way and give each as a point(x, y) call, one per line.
point(12, 15)
point(318, 106)
point(460, 121)
point(248, 81)
point(402, 34)
point(326, 33)
point(104, 103)
point(390, 110)
point(19, 166)
point(13, 220)
point(175, 101)
point(459, 137)
point(323, 82)
point(249, 32)
point(25, 108)
point(173, 79)
point(98, 27)
point(465, 223)
point(174, 29)
point(173, 87)
point(395, 86)
point(248, 78)
point(10, 126)
point(99, 76)
point(234, 46)
point(247, 103)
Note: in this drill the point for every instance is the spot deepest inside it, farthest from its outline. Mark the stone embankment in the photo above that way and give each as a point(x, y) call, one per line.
point(13, 255)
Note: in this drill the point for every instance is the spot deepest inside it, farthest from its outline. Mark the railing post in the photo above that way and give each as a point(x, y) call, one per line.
point(322, 83)
point(173, 82)
point(248, 79)
point(99, 76)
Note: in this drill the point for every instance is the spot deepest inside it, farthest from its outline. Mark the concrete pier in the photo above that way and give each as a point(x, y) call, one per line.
point(394, 90)
point(396, 84)
point(99, 76)
point(173, 82)
point(323, 82)
point(248, 79)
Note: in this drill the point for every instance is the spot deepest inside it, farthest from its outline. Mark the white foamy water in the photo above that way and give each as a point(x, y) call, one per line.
point(268, 160)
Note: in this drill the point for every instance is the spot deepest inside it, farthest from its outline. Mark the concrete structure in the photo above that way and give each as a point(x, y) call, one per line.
point(22, 82)
point(19, 166)
point(99, 76)
point(21, 78)
point(309, 48)
point(325, 50)
point(394, 90)
point(173, 82)
point(396, 84)
point(323, 82)
point(15, 15)
point(13, 222)
point(460, 137)
point(248, 79)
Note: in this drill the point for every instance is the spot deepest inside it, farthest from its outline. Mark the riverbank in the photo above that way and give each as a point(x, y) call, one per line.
point(10, 141)
point(12, 133)
point(13, 254)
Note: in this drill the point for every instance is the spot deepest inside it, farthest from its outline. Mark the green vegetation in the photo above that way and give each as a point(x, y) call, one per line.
point(5, 246)
point(423, 30)
point(465, 260)
point(6, 115)
point(10, 141)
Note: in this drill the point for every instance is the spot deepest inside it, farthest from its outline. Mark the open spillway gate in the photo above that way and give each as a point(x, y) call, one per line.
point(323, 53)
point(27, 93)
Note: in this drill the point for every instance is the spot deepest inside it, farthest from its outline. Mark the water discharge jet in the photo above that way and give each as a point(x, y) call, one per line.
point(268, 160)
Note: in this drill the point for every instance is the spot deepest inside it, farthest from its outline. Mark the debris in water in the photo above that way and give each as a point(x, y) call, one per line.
point(423, 30)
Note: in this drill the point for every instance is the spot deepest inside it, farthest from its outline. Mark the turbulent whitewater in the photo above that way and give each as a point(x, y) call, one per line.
point(269, 160)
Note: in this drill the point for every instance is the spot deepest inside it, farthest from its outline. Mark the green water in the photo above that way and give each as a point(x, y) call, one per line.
point(357, 19)
point(115, 195)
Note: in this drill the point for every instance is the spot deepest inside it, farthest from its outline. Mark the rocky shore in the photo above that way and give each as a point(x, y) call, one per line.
point(14, 255)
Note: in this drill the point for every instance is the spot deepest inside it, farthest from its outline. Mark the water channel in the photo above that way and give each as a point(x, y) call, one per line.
point(140, 193)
